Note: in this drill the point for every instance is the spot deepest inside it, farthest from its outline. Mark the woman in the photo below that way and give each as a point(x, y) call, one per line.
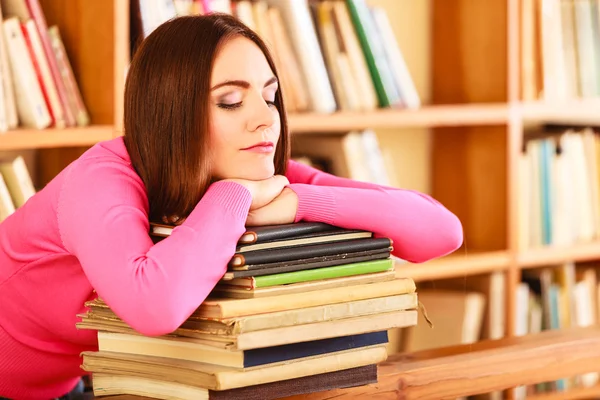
point(205, 147)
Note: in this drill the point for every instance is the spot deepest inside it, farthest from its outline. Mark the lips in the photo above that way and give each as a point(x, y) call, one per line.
point(262, 146)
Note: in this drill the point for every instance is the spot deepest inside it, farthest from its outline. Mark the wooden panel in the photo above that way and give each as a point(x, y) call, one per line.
point(427, 116)
point(478, 368)
point(51, 161)
point(469, 177)
point(556, 255)
point(460, 264)
point(87, 28)
point(469, 51)
point(34, 138)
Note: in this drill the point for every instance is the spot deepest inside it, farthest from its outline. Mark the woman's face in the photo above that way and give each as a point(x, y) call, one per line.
point(245, 123)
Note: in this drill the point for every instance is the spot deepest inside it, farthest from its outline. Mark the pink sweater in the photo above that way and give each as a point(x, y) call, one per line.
point(88, 229)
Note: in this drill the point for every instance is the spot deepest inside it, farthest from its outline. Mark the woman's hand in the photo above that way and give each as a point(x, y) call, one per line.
point(282, 210)
point(264, 191)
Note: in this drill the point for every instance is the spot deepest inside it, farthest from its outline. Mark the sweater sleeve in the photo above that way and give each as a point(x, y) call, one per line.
point(420, 227)
point(103, 221)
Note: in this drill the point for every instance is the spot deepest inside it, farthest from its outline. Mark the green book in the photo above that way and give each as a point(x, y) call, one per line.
point(372, 47)
point(316, 274)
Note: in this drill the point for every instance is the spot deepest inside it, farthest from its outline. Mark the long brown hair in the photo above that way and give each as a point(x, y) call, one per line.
point(166, 114)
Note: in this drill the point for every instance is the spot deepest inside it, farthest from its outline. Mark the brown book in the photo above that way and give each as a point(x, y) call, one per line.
point(100, 317)
point(112, 384)
point(222, 378)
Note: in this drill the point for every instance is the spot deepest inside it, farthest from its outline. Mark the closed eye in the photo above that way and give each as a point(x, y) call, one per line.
point(226, 106)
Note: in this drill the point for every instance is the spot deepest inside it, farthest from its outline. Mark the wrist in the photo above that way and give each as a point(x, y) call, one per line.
point(313, 203)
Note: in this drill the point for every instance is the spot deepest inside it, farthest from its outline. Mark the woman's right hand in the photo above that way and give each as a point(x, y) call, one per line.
point(263, 191)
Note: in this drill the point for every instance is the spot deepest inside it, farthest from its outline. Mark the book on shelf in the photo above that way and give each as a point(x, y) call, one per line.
point(559, 297)
point(333, 321)
point(560, 53)
point(559, 186)
point(332, 55)
point(38, 88)
point(17, 180)
point(356, 155)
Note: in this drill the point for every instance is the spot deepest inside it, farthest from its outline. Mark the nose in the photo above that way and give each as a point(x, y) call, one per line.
point(261, 115)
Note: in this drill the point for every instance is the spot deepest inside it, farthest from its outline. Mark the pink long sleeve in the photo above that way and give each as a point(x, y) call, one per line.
point(103, 222)
point(421, 228)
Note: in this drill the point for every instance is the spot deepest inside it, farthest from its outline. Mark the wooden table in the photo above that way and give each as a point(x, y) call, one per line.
point(471, 369)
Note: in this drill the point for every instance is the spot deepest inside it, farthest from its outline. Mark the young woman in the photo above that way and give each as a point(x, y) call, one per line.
point(206, 148)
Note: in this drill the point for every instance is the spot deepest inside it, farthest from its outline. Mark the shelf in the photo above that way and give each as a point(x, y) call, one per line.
point(455, 266)
point(427, 116)
point(576, 112)
point(571, 394)
point(21, 139)
point(557, 255)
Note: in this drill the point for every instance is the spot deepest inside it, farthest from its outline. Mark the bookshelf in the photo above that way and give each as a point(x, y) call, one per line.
point(27, 139)
point(473, 116)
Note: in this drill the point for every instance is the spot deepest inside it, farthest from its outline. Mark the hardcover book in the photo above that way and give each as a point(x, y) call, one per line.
point(108, 384)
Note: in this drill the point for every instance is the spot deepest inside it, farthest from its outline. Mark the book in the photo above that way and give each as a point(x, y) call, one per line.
point(269, 233)
point(313, 250)
point(107, 384)
point(192, 350)
point(307, 263)
point(100, 316)
point(216, 377)
point(315, 274)
point(301, 287)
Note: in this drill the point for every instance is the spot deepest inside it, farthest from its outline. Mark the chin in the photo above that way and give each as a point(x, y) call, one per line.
point(260, 175)
point(254, 174)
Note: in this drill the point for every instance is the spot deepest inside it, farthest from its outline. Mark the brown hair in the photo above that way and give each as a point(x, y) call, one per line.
point(166, 113)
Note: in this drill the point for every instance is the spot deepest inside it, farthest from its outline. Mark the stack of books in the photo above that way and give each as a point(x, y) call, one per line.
point(303, 307)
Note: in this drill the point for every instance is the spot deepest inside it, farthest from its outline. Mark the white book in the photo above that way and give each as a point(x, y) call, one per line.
point(301, 31)
point(31, 106)
point(7, 206)
point(398, 67)
point(18, 181)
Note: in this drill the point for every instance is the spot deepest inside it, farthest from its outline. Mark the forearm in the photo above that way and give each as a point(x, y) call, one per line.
point(154, 288)
point(421, 228)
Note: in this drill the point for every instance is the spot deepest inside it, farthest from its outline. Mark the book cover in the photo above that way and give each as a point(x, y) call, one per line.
point(302, 287)
point(193, 350)
point(308, 263)
point(107, 384)
point(221, 378)
point(315, 250)
point(315, 274)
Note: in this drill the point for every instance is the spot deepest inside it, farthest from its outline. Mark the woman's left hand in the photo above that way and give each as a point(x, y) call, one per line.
point(282, 210)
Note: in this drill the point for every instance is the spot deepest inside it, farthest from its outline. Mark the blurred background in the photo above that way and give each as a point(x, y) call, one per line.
point(491, 106)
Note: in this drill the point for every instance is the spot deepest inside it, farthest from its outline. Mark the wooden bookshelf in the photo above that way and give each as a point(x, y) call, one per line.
point(424, 117)
point(554, 255)
point(574, 111)
point(24, 139)
point(571, 394)
point(455, 266)
point(473, 118)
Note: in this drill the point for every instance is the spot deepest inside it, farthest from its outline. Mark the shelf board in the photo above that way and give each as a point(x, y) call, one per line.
point(558, 255)
point(576, 112)
point(20, 139)
point(571, 394)
point(426, 116)
point(455, 266)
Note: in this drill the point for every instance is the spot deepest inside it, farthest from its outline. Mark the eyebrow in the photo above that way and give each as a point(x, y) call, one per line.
point(242, 84)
